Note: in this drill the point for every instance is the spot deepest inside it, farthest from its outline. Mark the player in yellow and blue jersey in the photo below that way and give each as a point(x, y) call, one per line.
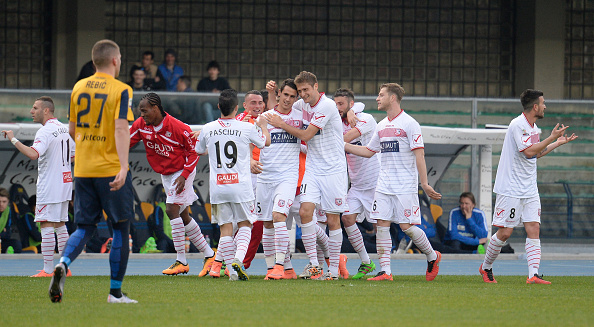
point(100, 108)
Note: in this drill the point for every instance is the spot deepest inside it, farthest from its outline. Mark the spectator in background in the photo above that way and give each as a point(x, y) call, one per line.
point(184, 84)
point(467, 228)
point(153, 78)
point(29, 230)
point(170, 71)
point(138, 79)
point(7, 224)
point(215, 84)
point(87, 70)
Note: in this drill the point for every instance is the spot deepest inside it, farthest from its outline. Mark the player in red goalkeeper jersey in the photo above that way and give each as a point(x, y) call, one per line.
point(170, 152)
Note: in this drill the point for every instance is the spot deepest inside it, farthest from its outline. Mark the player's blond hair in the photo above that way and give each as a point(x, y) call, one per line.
point(306, 77)
point(395, 89)
point(103, 52)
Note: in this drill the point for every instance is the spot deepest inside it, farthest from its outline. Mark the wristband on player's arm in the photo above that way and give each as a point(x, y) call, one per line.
point(14, 140)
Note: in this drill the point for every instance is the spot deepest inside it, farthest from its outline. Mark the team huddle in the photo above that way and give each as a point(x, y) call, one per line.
point(290, 163)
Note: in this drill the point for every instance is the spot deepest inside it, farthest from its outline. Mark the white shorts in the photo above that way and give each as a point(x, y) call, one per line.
point(360, 202)
point(511, 212)
point(319, 214)
point(229, 213)
point(274, 197)
point(51, 212)
point(186, 197)
point(397, 208)
point(329, 191)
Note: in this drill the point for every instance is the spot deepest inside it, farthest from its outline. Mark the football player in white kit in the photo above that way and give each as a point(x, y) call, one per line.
point(402, 162)
point(275, 191)
point(325, 180)
point(54, 148)
point(227, 141)
point(363, 173)
point(517, 198)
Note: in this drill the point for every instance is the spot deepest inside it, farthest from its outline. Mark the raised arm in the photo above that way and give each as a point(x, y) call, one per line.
point(271, 88)
point(545, 146)
point(26, 150)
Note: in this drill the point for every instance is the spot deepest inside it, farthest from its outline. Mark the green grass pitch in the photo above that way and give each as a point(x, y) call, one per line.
point(408, 300)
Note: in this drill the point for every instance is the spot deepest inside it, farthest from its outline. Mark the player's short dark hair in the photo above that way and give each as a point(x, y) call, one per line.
point(170, 52)
point(469, 196)
point(149, 53)
point(343, 92)
point(3, 193)
point(256, 92)
point(47, 103)
point(306, 77)
point(288, 82)
point(154, 100)
point(395, 89)
point(103, 51)
point(530, 97)
point(228, 101)
point(213, 64)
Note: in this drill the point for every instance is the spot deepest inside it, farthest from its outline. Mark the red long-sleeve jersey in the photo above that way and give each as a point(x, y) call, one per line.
point(169, 146)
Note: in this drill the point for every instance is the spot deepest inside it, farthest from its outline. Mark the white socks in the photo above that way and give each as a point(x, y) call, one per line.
point(533, 256)
point(356, 240)
point(178, 233)
point(48, 243)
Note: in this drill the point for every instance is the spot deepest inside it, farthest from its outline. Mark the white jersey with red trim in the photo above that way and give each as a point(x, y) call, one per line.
point(396, 139)
point(56, 149)
point(280, 160)
point(516, 174)
point(363, 172)
point(169, 146)
point(228, 144)
point(325, 151)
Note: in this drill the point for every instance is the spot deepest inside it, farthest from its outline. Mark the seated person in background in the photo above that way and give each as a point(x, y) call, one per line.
point(160, 229)
point(170, 71)
point(215, 84)
point(8, 224)
point(184, 84)
point(153, 78)
point(29, 230)
point(138, 79)
point(467, 228)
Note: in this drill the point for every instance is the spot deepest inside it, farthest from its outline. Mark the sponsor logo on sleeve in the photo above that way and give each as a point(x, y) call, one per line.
point(281, 203)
